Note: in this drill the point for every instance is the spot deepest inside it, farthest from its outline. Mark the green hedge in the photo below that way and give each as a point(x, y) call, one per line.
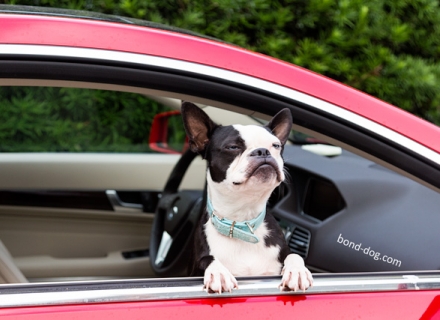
point(48, 119)
point(389, 49)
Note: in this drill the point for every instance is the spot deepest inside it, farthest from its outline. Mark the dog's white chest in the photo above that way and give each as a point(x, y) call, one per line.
point(243, 258)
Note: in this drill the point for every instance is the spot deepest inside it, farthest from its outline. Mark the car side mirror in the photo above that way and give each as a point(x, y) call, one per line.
point(167, 134)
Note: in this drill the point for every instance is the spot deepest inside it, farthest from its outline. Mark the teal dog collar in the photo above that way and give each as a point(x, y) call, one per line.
point(243, 230)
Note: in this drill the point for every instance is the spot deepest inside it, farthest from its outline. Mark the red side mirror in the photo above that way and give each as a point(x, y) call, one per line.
point(167, 134)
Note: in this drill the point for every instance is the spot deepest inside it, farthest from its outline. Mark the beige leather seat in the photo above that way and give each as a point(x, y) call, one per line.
point(9, 273)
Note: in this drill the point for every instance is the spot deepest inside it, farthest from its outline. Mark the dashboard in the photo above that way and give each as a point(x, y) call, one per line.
point(344, 213)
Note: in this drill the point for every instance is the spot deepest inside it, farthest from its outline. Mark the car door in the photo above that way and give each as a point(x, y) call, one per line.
point(249, 91)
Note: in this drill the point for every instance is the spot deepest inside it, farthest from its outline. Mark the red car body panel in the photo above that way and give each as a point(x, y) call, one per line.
point(423, 305)
point(83, 33)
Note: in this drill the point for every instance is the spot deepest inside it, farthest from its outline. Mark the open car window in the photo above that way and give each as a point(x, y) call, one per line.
point(338, 210)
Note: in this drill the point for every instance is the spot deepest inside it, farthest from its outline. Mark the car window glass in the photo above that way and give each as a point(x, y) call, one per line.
point(51, 119)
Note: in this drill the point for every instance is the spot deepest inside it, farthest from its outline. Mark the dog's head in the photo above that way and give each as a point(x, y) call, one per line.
point(239, 157)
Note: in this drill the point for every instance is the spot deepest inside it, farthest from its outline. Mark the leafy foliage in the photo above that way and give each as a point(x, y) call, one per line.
point(387, 48)
point(76, 120)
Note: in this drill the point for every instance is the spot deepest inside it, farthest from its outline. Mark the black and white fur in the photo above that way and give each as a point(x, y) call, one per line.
point(244, 166)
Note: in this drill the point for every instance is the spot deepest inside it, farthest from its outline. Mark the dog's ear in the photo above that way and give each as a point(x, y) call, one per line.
point(281, 124)
point(198, 126)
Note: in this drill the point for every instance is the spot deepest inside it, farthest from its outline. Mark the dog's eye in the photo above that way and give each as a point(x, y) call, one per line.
point(232, 147)
point(276, 145)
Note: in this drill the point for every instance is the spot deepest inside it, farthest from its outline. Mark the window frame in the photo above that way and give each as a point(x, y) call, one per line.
point(210, 86)
point(213, 89)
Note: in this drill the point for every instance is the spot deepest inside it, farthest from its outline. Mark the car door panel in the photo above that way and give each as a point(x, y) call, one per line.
point(65, 243)
point(70, 171)
point(83, 234)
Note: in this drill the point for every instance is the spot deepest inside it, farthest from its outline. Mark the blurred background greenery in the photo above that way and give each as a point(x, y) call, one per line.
point(50, 119)
point(387, 48)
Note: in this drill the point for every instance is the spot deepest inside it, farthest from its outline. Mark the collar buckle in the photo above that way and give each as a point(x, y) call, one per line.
point(231, 230)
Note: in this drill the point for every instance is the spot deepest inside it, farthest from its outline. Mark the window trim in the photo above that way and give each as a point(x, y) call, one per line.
point(22, 295)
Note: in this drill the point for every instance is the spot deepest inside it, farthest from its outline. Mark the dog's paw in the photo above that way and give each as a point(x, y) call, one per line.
point(219, 279)
point(295, 275)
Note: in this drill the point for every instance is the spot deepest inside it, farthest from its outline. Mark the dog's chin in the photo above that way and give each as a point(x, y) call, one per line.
point(264, 173)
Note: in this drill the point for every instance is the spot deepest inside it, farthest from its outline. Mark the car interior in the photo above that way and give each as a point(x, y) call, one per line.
point(86, 215)
point(95, 212)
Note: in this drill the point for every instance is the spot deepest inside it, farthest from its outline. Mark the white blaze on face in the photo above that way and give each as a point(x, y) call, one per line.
point(239, 196)
point(254, 137)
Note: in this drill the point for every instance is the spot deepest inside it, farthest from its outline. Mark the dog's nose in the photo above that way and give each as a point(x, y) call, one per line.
point(260, 152)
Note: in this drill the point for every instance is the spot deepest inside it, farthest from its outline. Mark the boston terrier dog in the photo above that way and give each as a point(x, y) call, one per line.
point(236, 236)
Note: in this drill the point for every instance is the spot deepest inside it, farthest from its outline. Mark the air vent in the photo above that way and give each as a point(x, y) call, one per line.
point(322, 199)
point(299, 241)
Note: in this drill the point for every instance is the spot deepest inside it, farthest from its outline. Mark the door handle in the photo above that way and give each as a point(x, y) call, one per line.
point(121, 206)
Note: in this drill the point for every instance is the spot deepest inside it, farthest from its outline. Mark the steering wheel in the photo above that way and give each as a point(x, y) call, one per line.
point(175, 219)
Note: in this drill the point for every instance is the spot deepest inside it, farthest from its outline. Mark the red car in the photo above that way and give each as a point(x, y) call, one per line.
point(81, 222)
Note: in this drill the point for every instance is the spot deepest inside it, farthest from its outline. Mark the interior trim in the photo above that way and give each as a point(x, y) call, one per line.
point(90, 171)
point(94, 200)
point(121, 206)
